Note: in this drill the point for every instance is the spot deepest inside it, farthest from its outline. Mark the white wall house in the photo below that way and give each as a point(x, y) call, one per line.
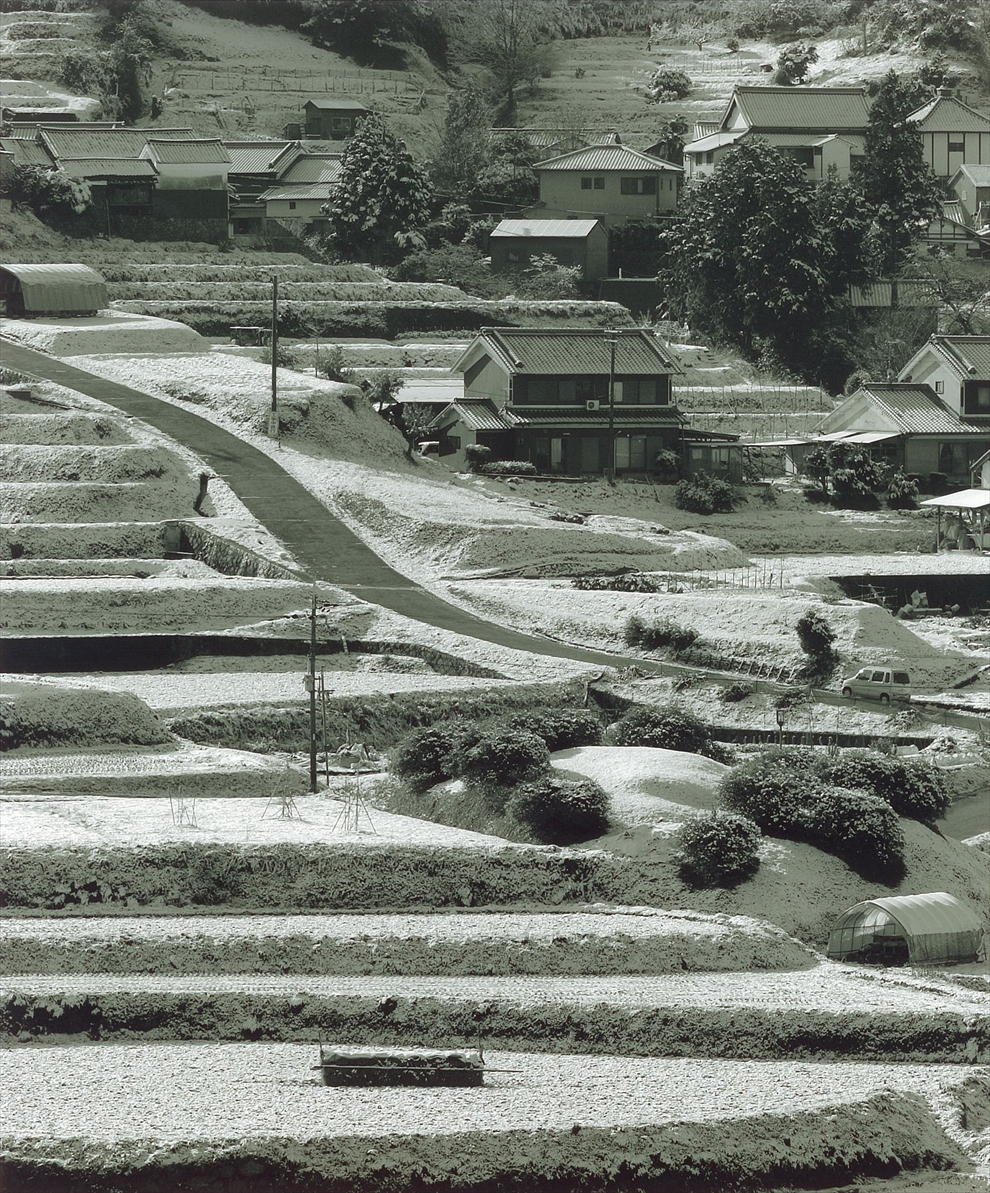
point(953, 134)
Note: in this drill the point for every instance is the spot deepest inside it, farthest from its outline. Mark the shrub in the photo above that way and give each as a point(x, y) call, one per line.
point(912, 788)
point(666, 728)
point(458, 265)
point(285, 357)
point(477, 456)
point(658, 633)
point(559, 811)
point(382, 386)
point(630, 582)
point(508, 468)
point(668, 84)
point(667, 463)
point(500, 760)
point(546, 277)
point(562, 728)
point(769, 789)
point(718, 850)
point(817, 640)
point(330, 365)
point(719, 752)
point(902, 492)
point(860, 829)
point(736, 692)
point(703, 494)
point(426, 756)
point(794, 63)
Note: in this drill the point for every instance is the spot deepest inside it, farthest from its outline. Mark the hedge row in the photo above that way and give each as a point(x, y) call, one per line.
point(546, 1026)
point(325, 290)
point(235, 271)
point(379, 319)
point(302, 877)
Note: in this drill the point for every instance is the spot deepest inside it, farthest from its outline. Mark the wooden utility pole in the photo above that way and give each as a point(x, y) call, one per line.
point(611, 338)
point(311, 684)
point(273, 422)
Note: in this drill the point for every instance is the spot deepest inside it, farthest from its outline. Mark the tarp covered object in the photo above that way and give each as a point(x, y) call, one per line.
point(936, 927)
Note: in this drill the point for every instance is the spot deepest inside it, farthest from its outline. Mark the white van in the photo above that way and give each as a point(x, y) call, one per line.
point(878, 683)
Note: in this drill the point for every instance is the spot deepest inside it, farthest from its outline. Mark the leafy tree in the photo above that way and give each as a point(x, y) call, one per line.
point(546, 278)
point(892, 174)
point(671, 135)
point(959, 289)
point(49, 193)
point(846, 472)
point(352, 26)
point(508, 176)
point(332, 366)
point(382, 197)
point(902, 492)
point(512, 41)
point(454, 265)
point(936, 73)
point(745, 260)
point(464, 145)
point(794, 62)
point(668, 84)
point(817, 638)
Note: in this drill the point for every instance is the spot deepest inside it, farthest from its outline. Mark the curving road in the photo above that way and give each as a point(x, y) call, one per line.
point(322, 544)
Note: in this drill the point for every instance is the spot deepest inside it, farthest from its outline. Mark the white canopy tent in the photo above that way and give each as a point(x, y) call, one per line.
point(972, 510)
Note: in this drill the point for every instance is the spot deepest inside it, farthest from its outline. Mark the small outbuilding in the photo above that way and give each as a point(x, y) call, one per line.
point(930, 929)
point(31, 291)
point(583, 243)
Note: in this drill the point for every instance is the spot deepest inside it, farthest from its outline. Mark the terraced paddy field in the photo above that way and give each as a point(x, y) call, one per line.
point(145, 1118)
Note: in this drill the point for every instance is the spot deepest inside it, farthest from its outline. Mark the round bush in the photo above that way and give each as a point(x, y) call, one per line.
point(669, 728)
point(703, 494)
point(559, 811)
point(912, 788)
point(860, 829)
point(719, 849)
point(562, 728)
point(505, 758)
point(770, 789)
point(426, 756)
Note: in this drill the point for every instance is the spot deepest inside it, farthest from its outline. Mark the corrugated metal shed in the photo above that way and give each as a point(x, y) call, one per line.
point(827, 109)
point(609, 157)
point(558, 351)
point(916, 409)
point(107, 167)
point(555, 229)
point(62, 289)
point(937, 928)
point(946, 114)
point(188, 153)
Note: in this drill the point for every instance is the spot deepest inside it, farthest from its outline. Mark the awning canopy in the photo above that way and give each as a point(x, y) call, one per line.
point(871, 436)
point(964, 499)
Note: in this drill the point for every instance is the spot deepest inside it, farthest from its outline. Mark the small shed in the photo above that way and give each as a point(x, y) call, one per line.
point(332, 118)
point(583, 243)
point(30, 291)
point(930, 929)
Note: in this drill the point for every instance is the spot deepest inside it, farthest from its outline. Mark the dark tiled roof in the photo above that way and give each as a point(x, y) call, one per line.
point(479, 414)
point(332, 104)
point(830, 109)
point(946, 114)
point(260, 157)
point(66, 141)
point(26, 153)
point(970, 354)
point(608, 157)
point(313, 167)
point(188, 153)
point(108, 167)
point(575, 352)
point(916, 410)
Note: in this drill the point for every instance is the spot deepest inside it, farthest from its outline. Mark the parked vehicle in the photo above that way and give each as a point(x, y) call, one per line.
point(878, 683)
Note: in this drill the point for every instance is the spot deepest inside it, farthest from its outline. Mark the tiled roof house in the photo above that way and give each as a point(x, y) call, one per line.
point(610, 182)
point(953, 134)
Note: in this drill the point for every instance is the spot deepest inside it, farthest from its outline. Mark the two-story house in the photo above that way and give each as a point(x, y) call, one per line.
point(543, 395)
point(952, 133)
point(958, 370)
point(822, 128)
point(612, 183)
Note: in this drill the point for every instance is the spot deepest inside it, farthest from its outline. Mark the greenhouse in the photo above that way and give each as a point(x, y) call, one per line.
point(930, 929)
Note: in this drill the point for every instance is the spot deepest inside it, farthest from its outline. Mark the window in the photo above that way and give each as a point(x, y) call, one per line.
point(599, 184)
point(940, 387)
point(589, 182)
point(638, 186)
point(709, 157)
point(957, 146)
point(586, 183)
point(292, 204)
point(877, 676)
point(587, 388)
point(803, 155)
point(978, 397)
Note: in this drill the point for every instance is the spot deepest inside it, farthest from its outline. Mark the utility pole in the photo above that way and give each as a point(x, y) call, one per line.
point(273, 427)
point(611, 338)
point(311, 685)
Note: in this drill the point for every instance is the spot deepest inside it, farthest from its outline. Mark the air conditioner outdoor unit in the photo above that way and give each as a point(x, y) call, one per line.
point(591, 404)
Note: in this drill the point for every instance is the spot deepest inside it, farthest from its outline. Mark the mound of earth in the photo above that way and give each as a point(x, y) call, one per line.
point(46, 715)
point(108, 331)
point(646, 786)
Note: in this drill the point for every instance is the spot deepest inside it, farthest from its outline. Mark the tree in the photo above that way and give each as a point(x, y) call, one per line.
point(794, 63)
point(49, 193)
point(668, 84)
point(546, 278)
point(511, 40)
point(670, 136)
point(960, 289)
point(464, 146)
point(892, 174)
point(509, 176)
point(382, 197)
point(352, 26)
point(745, 261)
point(848, 473)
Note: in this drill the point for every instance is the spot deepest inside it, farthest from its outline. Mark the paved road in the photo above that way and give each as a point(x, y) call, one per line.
point(322, 544)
